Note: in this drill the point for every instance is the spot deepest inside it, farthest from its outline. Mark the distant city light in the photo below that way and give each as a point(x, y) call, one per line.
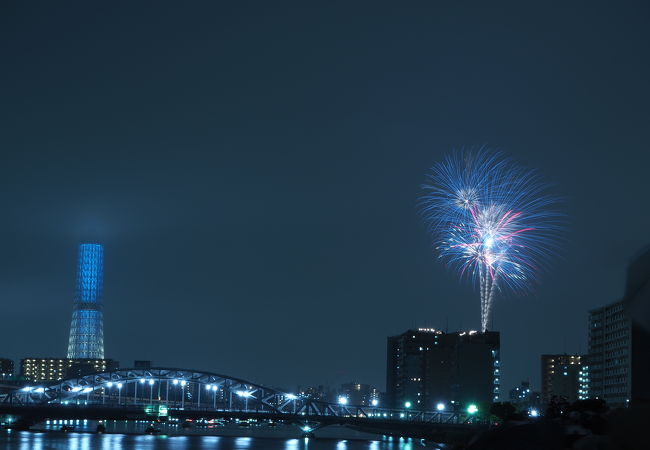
point(533, 412)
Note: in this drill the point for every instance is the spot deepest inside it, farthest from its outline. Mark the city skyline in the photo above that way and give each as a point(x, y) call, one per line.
point(246, 217)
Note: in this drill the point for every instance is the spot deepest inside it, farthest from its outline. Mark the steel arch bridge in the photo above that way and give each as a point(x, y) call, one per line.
point(193, 394)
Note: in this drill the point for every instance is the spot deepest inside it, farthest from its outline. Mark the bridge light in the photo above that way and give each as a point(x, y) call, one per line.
point(87, 390)
point(407, 404)
point(109, 384)
point(183, 382)
point(119, 385)
point(215, 387)
point(306, 429)
point(245, 394)
point(343, 400)
point(76, 389)
point(142, 380)
point(208, 387)
point(175, 381)
point(374, 402)
point(39, 390)
point(472, 409)
point(151, 382)
point(27, 389)
point(291, 396)
point(533, 412)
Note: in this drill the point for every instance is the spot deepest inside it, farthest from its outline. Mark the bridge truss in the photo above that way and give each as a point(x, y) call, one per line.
point(181, 390)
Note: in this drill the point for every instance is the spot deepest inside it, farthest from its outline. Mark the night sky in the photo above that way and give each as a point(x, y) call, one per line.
point(253, 170)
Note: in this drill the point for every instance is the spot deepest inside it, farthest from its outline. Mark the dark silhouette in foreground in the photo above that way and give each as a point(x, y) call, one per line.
point(583, 425)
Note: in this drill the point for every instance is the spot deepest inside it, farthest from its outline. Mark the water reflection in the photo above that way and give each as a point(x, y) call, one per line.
point(85, 442)
point(31, 441)
point(211, 442)
point(112, 441)
point(91, 441)
point(243, 442)
point(292, 444)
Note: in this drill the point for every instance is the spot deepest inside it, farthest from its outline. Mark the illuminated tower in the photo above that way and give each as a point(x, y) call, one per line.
point(87, 327)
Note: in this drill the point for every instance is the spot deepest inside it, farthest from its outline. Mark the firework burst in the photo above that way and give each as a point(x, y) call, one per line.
point(491, 220)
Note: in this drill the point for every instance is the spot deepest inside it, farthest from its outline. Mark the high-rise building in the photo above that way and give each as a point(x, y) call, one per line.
point(6, 368)
point(561, 377)
point(426, 367)
point(52, 369)
point(87, 329)
point(618, 368)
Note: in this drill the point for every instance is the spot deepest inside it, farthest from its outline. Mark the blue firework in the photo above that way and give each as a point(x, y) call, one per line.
point(492, 221)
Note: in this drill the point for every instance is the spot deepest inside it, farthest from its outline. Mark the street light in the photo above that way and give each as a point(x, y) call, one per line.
point(119, 393)
point(151, 382)
point(135, 394)
point(183, 383)
point(245, 395)
point(108, 385)
point(293, 398)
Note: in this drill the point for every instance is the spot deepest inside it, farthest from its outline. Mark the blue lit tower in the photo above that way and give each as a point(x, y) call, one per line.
point(87, 327)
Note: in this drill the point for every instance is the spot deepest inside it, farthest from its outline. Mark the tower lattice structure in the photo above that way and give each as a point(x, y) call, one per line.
point(87, 327)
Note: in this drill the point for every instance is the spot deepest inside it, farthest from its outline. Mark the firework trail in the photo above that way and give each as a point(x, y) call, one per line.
point(491, 220)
